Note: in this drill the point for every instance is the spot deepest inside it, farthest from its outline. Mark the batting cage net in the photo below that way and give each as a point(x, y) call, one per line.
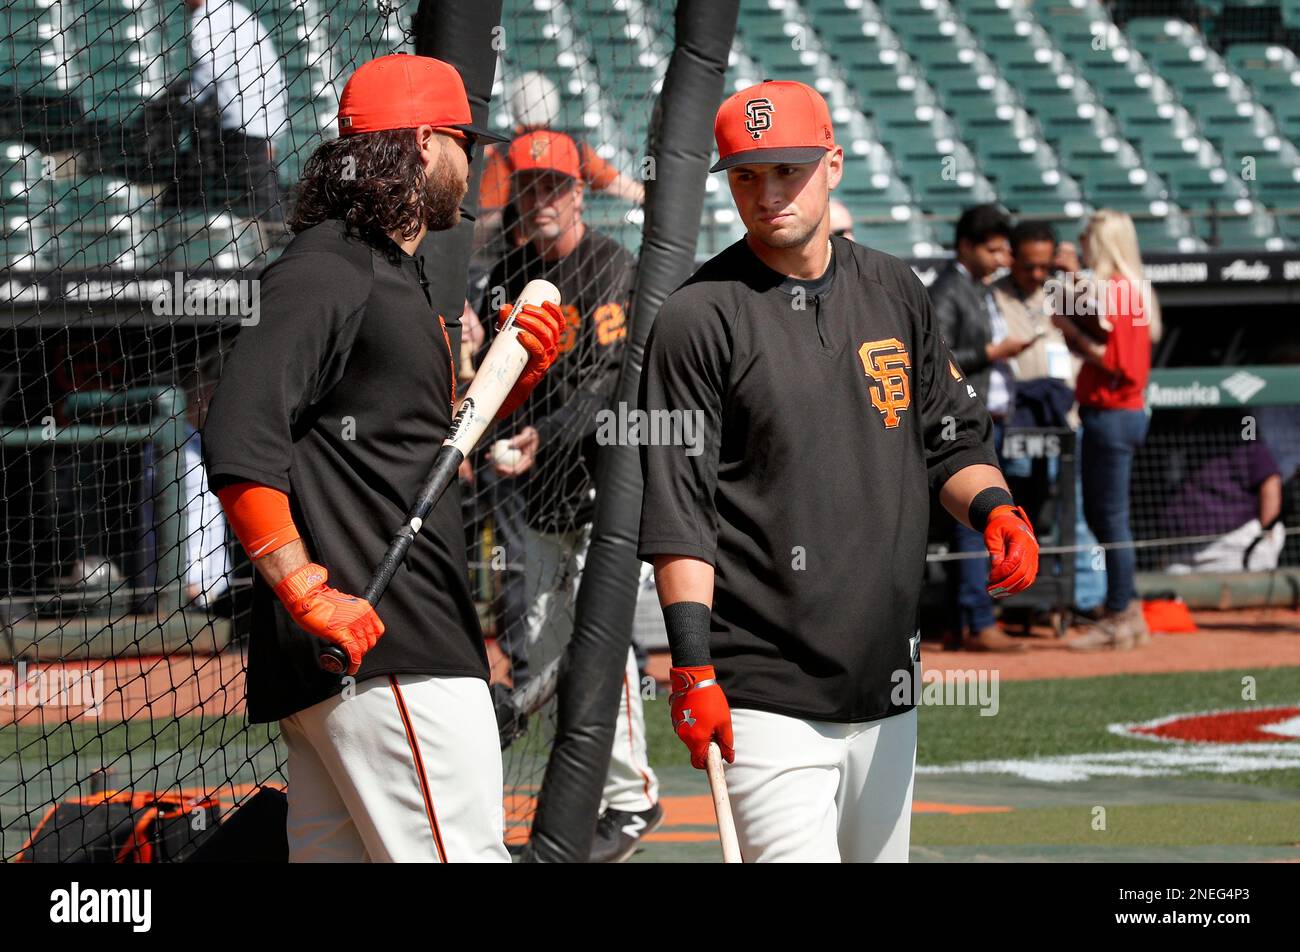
point(149, 153)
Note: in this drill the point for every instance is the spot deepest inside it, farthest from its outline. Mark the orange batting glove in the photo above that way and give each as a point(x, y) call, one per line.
point(539, 332)
point(701, 713)
point(330, 615)
point(1011, 543)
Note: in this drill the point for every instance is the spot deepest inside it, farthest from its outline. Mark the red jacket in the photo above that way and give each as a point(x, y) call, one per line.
point(1121, 383)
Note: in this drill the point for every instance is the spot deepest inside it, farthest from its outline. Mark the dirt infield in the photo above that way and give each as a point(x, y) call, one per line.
point(1249, 638)
point(175, 686)
point(150, 687)
point(1226, 640)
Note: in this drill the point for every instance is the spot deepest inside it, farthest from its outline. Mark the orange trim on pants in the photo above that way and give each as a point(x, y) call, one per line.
point(419, 768)
point(631, 747)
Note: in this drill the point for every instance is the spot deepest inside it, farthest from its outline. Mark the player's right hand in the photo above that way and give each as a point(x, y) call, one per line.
point(330, 615)
point(539, 333)
point(701, 713)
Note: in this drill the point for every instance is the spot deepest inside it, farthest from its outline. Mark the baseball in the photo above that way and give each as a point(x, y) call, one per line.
point(503, 454)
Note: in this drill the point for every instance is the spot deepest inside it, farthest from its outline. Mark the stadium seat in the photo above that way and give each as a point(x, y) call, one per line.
point(904, 238)
point(213, 242)
point(1239, 232)
point(1171, 232)
point(950, 197)
point(1272, 71)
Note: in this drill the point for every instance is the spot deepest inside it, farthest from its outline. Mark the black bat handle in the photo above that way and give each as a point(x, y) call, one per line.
point(334, 659)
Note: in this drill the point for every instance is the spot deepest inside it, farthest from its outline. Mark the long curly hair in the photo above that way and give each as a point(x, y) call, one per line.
point(375, 182)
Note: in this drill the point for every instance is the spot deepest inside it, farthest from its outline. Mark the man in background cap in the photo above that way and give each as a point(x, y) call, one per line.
point(789, 554)
point(322, 429)
point(545, 498)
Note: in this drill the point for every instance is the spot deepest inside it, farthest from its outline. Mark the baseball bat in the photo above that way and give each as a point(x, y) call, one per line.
point(722, 807)
point(505, 361)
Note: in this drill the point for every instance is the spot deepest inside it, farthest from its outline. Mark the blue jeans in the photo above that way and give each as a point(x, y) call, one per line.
point(974, 603)
point(1110, 441)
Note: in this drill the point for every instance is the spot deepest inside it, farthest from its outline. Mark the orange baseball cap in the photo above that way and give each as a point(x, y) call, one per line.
point(775, 121)
point(545, 149)
point(402, 91)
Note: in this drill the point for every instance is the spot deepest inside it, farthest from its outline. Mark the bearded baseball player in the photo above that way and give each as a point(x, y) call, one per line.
point(324, 426)
point(789, 555)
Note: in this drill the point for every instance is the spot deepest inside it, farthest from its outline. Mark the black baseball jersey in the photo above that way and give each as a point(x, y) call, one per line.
point(830, 412)
point(340, 396)
point(593, 281)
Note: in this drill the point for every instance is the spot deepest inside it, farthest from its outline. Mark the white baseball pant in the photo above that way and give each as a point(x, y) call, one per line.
point(554, 562)
point(408, 769)
point(820, 792)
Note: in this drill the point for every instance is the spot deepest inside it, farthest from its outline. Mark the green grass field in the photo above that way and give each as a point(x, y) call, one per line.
point(1198, 814)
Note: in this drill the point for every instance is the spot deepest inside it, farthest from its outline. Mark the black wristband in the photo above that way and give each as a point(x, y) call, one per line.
point(985, 501)
point(688, 633)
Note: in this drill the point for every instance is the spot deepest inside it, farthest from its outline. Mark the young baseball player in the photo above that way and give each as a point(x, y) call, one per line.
point(789, 554)
point(554, 477)
point(325, 424)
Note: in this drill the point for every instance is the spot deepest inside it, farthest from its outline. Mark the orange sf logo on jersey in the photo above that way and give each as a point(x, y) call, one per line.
point(886, 363)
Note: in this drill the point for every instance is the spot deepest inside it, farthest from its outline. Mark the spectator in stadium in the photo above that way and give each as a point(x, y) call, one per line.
point(1230, 485)
point(235, 92)
point(1113, 336)
point(841, 220)
point(971, 324)
point(1045, 373)
point(1066, 260)
point(554, 472)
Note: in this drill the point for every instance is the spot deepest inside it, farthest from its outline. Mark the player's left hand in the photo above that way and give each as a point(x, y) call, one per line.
point(701, 714)
point(539, 333)
point(1014, 550)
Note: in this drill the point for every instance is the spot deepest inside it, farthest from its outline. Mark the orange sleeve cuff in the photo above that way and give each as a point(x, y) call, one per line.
point(260, 517)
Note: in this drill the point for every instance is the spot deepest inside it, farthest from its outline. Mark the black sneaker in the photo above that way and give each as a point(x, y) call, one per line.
point(618, 833)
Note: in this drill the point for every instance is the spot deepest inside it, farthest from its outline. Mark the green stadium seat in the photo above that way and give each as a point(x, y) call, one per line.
point(719, 228)
point(214, 242)
point(905, 238)
point(1276, 179)
point(949, 198)
point(1172, 233)
point(1259, 228)
point(21, 169)
point(26, 246)
point(1269, 68)
point(1199, 188)
point(1289, 226)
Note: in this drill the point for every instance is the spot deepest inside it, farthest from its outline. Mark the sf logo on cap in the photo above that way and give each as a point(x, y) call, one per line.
point(758, 116)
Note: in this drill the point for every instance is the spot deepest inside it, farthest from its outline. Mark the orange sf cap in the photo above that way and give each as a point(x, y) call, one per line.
point(546, 149)
point(775, 121)
point(402, 91)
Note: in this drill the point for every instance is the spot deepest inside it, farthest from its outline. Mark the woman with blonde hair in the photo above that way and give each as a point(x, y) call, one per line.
point(1118, 320)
